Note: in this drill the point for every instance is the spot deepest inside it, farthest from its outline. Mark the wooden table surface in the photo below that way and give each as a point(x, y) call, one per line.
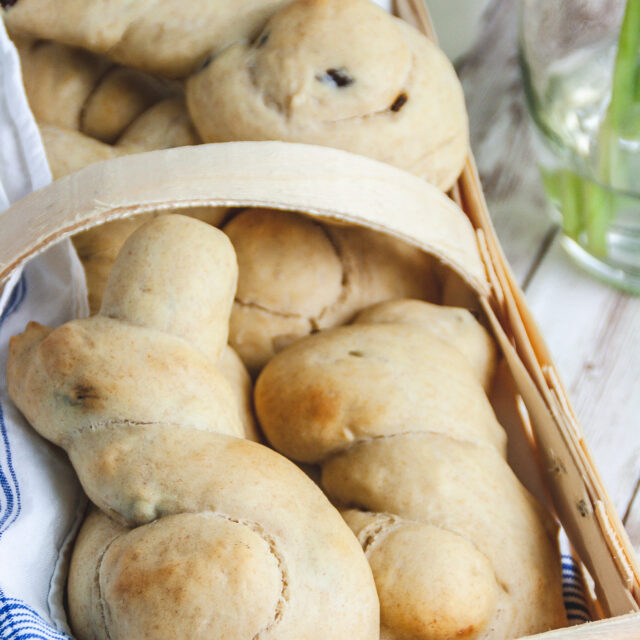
point(592, 330)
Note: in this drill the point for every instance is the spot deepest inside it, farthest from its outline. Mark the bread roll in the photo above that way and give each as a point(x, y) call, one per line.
point(298, 275)
point(339, 74)
point(170, 38)
point(393, 409)
point(74, 89)
point(69, 151)
point(210, 535)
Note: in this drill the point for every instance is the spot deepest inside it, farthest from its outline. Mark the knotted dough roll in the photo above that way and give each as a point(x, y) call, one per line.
point(298, 275)
point(211, 535)
point(74, 89)
point(342, 74)
point(410, 449)
point(170, 38)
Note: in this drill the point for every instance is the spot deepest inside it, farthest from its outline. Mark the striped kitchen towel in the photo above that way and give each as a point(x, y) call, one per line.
point(40, 499)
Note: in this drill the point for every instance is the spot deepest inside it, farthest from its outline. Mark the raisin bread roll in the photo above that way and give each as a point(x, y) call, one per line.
point(412, 452)
point(298, 275)
point(343, 74)
point(169, 38)
point(210, 535)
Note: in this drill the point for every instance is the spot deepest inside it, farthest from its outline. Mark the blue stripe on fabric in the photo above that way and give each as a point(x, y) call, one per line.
point(574, 606)
point(10, 505)
point(575, 602)
point(16, 298)
point(20, 622)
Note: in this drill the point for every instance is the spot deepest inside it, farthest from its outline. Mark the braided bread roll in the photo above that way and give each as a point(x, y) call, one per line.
point(395, 413)
point(74, 89)
point(343, 74)
point(298, 275)
point(211, 536)
point(170, 38)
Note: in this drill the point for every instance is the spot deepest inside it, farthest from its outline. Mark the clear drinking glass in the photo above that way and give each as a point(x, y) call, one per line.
point(583, 94)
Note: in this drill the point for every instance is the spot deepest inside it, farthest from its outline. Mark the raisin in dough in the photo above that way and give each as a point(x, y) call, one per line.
point(339, 74)
point(298, 275)
point(169, 37)
point(410, 448)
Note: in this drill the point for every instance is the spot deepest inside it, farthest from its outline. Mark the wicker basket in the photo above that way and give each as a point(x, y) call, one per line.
point(341, 187)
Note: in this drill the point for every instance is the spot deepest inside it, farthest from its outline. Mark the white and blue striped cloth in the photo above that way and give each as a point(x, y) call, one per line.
point(41, 503)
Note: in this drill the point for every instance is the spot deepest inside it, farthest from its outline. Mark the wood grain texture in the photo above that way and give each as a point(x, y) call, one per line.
point(594, 333)
point(501, 139)
point(332, 184)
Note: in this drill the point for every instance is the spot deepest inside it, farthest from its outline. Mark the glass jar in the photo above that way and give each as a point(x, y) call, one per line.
point(583, 95)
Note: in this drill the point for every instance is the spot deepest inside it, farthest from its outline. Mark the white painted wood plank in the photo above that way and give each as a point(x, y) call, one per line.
point(502, 141)
point(593, 332)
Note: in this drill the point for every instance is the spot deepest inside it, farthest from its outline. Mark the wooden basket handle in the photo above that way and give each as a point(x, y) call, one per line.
point(334, 185)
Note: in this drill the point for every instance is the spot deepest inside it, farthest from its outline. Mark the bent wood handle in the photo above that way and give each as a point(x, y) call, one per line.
point(331, 184)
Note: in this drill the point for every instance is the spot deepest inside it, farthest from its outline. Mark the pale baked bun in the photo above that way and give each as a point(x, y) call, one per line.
point(342, 74)
point(298, 275)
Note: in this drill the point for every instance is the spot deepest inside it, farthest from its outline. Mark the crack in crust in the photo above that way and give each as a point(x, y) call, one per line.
point(378, 530)
point(259, 307)
point(285, 594)
point(315, 321)
point(99, 426)
point(385, 523)
point(412, 434)
point(101, 601)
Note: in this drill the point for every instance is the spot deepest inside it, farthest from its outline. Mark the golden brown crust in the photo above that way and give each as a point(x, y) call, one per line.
point(324, 393)
point(453, 325)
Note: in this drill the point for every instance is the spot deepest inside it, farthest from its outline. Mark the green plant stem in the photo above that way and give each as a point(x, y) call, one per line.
point(571, 202)
point(586, 205)
point(626, 72)
point(622, 119)
point(597, 213)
